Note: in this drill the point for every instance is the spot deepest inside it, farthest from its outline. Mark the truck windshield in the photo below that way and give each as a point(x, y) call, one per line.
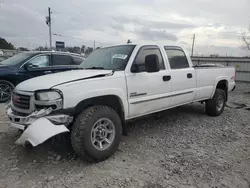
point(110, 58)
point(16, 59)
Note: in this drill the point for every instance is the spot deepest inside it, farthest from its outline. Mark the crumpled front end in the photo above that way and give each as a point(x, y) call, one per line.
point(39, 126)
point(39, 131)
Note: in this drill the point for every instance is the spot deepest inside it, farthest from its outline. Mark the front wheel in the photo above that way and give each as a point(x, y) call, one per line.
point(96, 133)
point(216, 105)
point(6, 89)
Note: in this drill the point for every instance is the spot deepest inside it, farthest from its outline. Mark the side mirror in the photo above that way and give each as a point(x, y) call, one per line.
point(152, 63)
point(28, 66)
point(134, 68)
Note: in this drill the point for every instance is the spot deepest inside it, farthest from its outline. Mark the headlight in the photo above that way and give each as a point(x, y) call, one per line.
point(48, 96)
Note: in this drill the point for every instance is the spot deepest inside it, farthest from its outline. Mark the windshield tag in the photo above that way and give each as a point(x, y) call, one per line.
point(120, 56)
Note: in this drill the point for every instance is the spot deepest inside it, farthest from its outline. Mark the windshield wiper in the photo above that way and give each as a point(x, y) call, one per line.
point(95, 68)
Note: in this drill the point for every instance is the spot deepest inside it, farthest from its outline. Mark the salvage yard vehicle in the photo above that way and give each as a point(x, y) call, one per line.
point(116, 84)
point(2, 58)
point(27, 65)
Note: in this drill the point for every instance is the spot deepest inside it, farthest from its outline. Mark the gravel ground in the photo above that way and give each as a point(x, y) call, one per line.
point(182, 147)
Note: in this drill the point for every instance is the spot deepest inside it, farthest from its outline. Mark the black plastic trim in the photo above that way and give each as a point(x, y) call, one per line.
point(137, 94)
point(147, 100)
point(66, 111)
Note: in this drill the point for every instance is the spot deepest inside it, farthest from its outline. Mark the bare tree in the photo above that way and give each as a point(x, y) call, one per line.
point(246, 39)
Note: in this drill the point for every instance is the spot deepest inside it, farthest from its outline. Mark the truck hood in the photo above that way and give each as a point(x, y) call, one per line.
point(48, 81)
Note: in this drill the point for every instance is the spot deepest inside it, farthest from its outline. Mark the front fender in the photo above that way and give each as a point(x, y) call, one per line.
point(76, 92)
point(75, 100)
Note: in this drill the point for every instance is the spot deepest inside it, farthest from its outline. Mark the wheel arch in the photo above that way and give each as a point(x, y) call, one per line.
point(221, 84)
point(113, 101)
point(7, 81)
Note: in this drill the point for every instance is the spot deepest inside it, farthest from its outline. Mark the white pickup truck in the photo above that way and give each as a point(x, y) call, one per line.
point(113, 85)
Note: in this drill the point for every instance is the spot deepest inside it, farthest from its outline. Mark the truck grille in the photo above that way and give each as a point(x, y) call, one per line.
point(21, 101)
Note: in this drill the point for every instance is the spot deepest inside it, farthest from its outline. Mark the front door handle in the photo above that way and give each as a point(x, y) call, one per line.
point(166, 78)
point(189, 75)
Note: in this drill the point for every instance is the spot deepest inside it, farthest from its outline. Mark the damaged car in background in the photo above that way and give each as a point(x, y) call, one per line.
point(115, 84)
point(26, 65)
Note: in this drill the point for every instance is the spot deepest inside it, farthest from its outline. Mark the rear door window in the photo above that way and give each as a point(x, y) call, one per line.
point(58, 59)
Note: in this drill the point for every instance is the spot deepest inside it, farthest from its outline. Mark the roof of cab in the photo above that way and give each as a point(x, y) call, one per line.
point(164, 45)
point(147, 44)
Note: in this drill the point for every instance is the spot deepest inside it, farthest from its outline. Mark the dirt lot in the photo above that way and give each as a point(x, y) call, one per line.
point(182, 147)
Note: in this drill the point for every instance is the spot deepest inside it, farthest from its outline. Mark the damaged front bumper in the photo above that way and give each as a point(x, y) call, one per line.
point(39, 126)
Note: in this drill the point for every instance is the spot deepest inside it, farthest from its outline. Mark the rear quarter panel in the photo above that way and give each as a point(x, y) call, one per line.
point(208, 78)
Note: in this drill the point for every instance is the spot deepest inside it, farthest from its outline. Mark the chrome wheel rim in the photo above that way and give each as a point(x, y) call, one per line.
point(5, 92)
point(103, 134)
point(220, 103)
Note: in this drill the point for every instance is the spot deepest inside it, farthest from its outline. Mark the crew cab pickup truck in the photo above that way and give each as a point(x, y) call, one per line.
point(115, 84)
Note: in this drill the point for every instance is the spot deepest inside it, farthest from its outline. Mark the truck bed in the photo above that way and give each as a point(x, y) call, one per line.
point(207, 77)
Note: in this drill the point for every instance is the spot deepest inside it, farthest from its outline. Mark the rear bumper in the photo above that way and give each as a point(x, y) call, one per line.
point(38, 126)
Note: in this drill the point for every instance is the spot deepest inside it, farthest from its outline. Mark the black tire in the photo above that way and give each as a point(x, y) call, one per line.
point(212, 105)
point(81, 133)
point(5, 88)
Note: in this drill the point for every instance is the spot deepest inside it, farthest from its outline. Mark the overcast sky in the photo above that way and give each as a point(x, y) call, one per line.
point(217, 23)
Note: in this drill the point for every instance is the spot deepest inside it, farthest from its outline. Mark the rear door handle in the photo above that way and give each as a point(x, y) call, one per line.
point(189, 75)
point(166, 78)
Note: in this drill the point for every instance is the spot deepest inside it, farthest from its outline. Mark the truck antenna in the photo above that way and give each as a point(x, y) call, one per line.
point(129, 41)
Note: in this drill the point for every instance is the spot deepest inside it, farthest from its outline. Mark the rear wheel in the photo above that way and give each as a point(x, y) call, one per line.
point(6, 89)
point(216, 105)
point(96, 133)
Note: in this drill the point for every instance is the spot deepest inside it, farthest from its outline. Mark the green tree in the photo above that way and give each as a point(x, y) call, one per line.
point(83, 48)
point(89, 50)
point(6, 45)
point(214, 55)
point(23, 49)
point(77, 49)
point(74, 49)
point(40, 48)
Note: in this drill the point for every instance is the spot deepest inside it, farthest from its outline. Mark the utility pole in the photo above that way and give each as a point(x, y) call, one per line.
point(94, 44)
point(193, 45)
point(48, 22)
point(1, 2)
